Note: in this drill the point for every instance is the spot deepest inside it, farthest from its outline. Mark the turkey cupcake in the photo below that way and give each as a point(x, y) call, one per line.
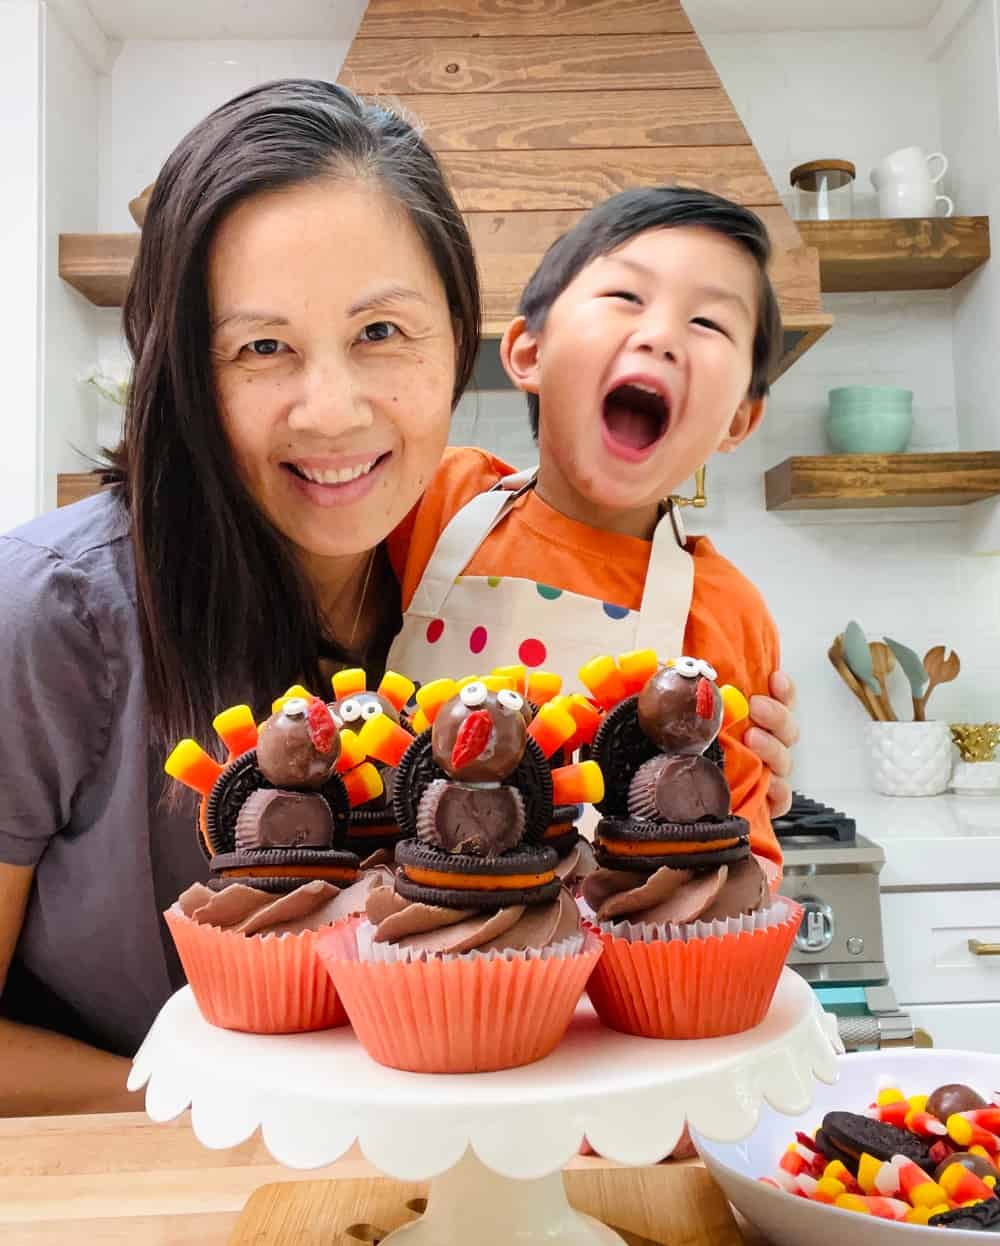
point(694, 943)
point(474, 959)
point(272, 822)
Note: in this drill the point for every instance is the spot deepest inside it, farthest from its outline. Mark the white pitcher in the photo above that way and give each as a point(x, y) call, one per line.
point(906, 186)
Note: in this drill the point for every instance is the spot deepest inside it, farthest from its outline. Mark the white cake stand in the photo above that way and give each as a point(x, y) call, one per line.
point(494, 1143)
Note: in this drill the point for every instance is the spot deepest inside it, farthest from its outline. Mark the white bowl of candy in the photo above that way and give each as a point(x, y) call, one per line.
point(783, 1185)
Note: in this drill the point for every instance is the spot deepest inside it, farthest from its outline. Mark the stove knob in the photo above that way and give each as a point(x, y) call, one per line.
point(816, 932)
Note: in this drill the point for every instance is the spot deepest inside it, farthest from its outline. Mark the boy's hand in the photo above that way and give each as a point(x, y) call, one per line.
point(774, 734)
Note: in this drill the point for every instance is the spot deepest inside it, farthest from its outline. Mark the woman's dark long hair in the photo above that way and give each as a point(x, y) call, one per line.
point(225, 612)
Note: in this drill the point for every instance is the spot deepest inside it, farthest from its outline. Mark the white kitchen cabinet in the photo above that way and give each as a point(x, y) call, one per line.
point(959, 1027)
point(926, 936)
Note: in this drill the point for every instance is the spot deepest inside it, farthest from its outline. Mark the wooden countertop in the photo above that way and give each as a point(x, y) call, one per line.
point(121, 1180)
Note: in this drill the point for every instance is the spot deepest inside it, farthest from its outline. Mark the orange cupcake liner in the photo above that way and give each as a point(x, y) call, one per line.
point(262, 984)
point(701, 988)
point(468, 1014)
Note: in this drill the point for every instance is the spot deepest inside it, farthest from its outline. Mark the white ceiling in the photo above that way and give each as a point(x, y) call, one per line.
point(337, 19)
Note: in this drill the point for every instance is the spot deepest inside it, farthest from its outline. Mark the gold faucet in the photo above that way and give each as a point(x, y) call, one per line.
point(700, 500)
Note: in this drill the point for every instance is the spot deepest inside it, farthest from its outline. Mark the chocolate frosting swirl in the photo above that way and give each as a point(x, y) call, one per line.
point(677, 896)
point(436, 930)
point(246, 910)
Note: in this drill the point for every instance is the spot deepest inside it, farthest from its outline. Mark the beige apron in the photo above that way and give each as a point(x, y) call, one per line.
point(460, 625)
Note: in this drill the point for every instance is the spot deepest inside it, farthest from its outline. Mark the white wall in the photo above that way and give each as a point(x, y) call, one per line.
point(69, 433)
point(21, 69)
point(157, 90)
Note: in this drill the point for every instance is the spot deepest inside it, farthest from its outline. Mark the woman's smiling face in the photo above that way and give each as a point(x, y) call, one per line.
point(333, 354)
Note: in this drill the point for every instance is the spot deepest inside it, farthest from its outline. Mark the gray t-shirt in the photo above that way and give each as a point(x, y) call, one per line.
point(81, 786)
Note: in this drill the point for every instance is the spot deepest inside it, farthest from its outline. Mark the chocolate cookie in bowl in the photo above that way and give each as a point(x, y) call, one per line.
point(477, 924)
point(694, 943)
point(273, 820)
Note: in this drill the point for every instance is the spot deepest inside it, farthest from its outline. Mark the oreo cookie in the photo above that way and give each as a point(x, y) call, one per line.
point(418, 769)
point(561, 834)
point(630, 843)
point(241, 778)
point(847, 1136)
point(982, 1217)
point(284, 869)
point(460, 881)
point(620, 747)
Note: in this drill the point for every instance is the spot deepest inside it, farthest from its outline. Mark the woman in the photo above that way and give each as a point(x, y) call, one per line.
point(303, 315)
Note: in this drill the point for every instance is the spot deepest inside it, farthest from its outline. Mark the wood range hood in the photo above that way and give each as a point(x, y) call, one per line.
point(541, 108)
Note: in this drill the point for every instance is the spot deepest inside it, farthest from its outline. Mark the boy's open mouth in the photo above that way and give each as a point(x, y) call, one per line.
point(635, 416)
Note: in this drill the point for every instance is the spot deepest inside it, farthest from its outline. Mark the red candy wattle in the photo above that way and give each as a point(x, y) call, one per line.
point(471, 739)
point(704, 700)
point(322, 730)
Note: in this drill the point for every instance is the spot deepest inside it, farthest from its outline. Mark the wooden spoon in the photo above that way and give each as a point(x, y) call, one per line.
point(836, 655)
point(883, 664)
point(941, 670)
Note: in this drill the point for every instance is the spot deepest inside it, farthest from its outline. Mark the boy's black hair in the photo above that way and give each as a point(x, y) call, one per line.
point(614, 222)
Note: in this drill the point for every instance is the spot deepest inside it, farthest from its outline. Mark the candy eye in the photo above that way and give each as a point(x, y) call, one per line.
point(295, 707)
point(350, 711)
point(708, 671)
point(511, 701)
point(474, 694)
point(371, 710)
point(688, 667)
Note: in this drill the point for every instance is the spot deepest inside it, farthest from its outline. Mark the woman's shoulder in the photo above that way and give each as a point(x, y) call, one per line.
point(89, 539)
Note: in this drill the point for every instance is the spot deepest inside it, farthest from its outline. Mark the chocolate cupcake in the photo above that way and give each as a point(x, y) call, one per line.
point(477, 923)
point(678, 900)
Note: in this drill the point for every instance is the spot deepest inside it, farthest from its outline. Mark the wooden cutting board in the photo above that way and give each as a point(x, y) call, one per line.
point(666, 1205)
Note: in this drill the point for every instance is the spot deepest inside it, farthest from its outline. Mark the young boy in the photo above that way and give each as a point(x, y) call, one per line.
point(644, 344)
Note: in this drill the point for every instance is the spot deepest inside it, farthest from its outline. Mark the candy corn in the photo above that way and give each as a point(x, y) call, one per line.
point(432, 696)
point(582, 783)
point(384, 740)
point(363, 783)
point(894, 1113)
point(396, 689)
point(542, 686)
point(352, 751)
point(636, 668)
point(348, 683)
point(296, 690)
point(923, 1124)
point(516, 674)
point(835, 1170)
point(236, 729)
point(551, 727)
point(986, 1118)
point(189, 764)
point(603, 678)
point(963, 1186)
point(916, 1185)
point(966, 1133)
point(735, 706)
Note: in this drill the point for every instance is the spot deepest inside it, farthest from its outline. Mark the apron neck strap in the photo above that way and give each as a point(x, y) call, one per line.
point(666, 597)
point(465, 532)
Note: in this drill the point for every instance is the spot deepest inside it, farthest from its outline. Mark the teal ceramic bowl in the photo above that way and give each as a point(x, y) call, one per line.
point(869, 419)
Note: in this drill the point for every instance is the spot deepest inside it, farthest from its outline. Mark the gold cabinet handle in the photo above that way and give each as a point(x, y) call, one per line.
point(978, 948)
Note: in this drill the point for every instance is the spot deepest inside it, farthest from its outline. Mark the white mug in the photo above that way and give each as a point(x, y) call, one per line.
point(906, 186)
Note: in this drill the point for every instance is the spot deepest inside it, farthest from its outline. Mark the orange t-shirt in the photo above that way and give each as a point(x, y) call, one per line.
point(728, 624)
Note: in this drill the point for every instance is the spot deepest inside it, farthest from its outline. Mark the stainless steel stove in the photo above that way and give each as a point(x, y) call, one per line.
point(832, 871)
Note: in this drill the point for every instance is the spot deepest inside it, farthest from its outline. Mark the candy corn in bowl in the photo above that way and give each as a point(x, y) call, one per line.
point(896, 1152)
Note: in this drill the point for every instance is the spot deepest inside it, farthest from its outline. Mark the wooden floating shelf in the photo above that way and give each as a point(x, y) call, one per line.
point(923, 253)
point(833, 481)
point(98, 265)
point(75, 486)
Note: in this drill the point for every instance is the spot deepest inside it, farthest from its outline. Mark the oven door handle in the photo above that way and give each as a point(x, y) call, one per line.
point(978, 948)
